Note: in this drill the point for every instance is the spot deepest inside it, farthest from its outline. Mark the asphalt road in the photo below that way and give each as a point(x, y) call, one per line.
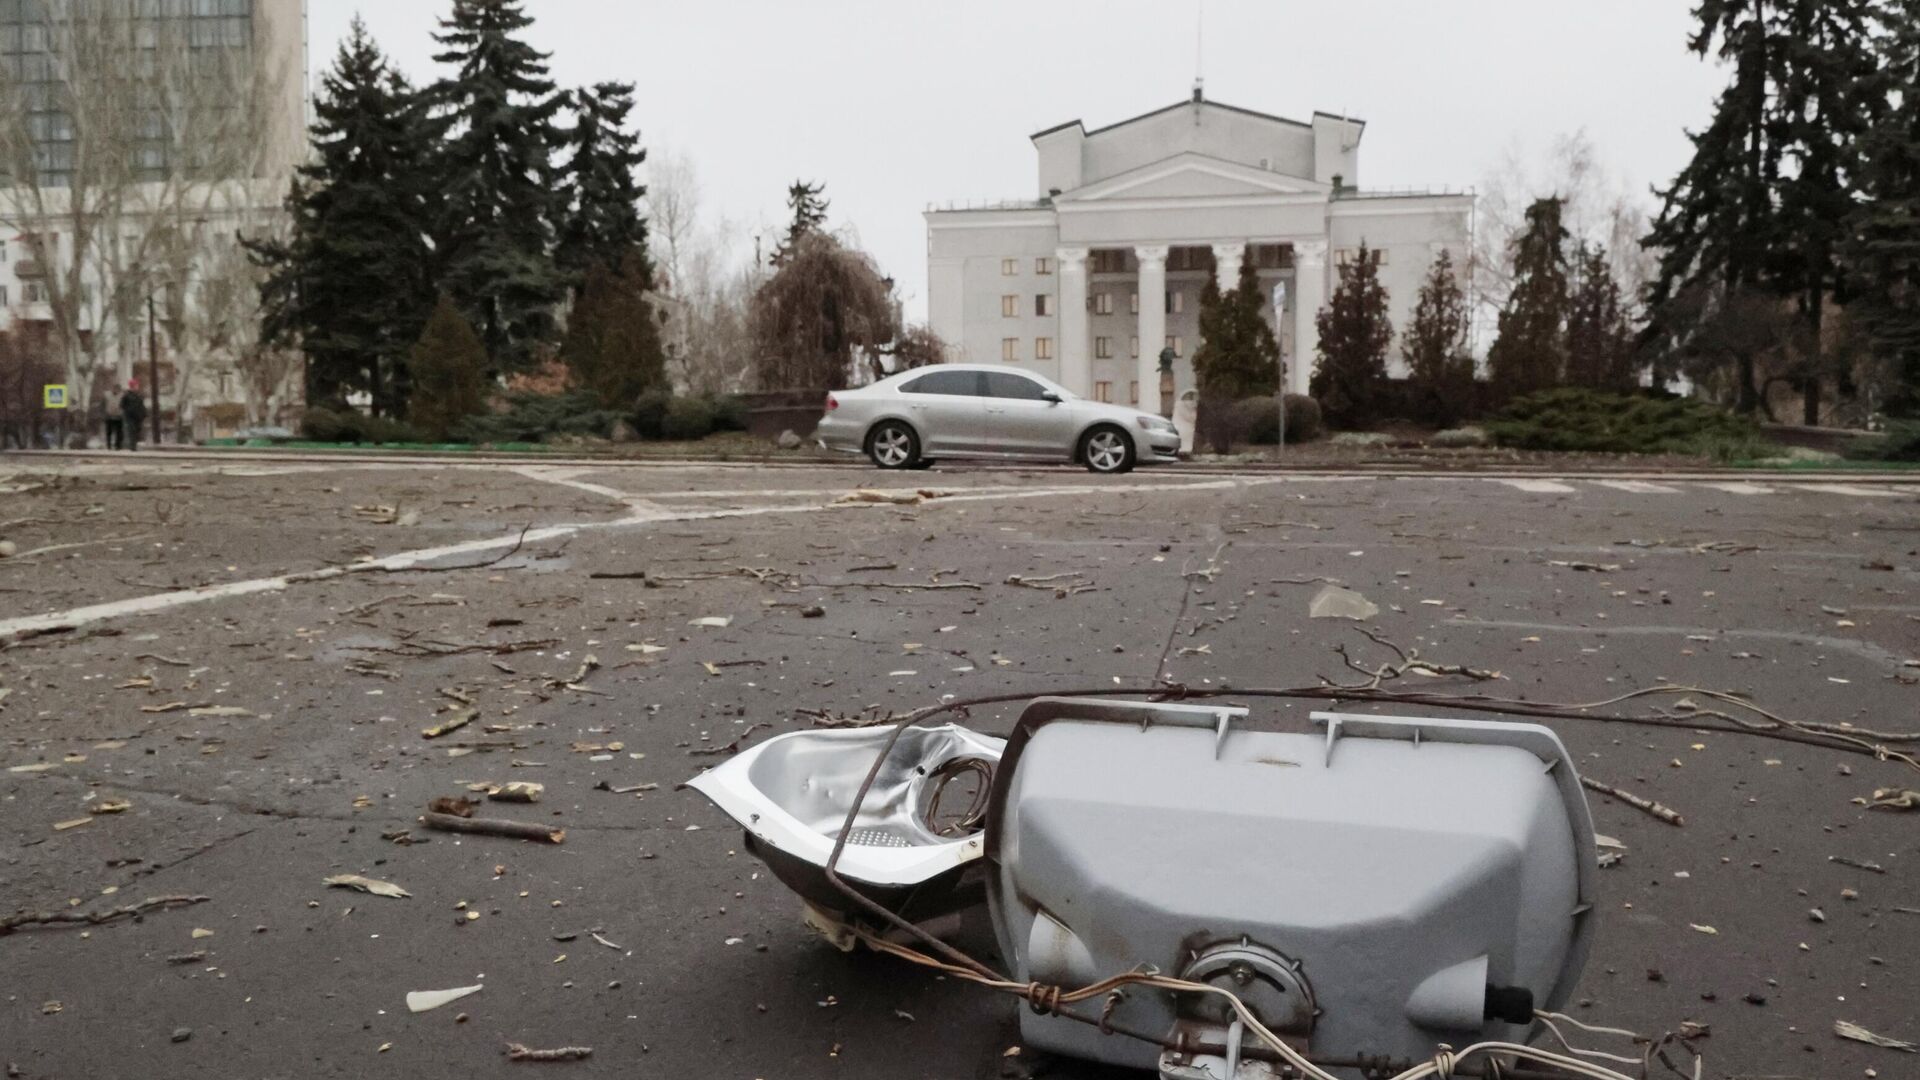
point(247, 653)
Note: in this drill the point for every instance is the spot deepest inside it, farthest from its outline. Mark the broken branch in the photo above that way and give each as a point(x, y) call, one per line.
point(518, 830)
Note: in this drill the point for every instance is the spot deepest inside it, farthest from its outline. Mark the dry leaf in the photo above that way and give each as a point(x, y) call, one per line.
point(1702, 929)
point(718, 622)
point(367, 885)
point(423, 1000)
point(454, 721)
point(1846, 1029)
point(63, 826)
point(110, 806)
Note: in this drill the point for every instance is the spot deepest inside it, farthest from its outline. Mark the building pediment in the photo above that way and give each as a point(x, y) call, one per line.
point(1192, 176)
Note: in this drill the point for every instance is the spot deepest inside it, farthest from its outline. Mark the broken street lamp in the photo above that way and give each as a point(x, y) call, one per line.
point(1357, 896)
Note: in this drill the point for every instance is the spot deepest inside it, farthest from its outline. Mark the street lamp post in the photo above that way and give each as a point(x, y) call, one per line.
point(1279, 312)
point(153, 367)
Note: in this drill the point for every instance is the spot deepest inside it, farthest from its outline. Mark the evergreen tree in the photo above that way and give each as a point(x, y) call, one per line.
point(1434, 346)
point(1350, 375)
point(1762, 204)
point(1238, 357)
point(613, 345)
point(1529, 353)
point(501, 194)
point(602, 225)
point(1885, 241)
point(1600, 346)
point(352, 283)
point(448, 365)
point(809, 208)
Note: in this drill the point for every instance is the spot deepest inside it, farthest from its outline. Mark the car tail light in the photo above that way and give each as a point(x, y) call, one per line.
point(832, 403)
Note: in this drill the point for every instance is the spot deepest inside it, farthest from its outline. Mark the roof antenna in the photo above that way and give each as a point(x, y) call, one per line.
point(1199, 52)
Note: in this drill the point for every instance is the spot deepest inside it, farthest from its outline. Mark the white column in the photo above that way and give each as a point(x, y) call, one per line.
point(1309, 293)
point(1153, 323)
point(1226, 265)
point(1076, 363)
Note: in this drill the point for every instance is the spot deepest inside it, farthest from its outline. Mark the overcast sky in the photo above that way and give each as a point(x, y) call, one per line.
point(894, 104)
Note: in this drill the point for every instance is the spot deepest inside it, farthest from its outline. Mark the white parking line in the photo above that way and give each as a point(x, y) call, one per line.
point(1638, 487)
point(1540, 487)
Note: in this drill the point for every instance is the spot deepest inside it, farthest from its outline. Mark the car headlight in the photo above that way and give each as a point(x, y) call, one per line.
point(1154, 423)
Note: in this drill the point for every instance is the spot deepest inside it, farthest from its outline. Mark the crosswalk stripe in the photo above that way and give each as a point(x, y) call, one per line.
point(1638, 487)
point(1539, 487)
point(1852, 489)
point(1741, 487)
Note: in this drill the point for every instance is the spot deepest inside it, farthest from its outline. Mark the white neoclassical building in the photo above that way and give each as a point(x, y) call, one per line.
point(1088, 282)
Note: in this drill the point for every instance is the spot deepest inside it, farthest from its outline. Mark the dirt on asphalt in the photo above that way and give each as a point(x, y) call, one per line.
point(264, 742)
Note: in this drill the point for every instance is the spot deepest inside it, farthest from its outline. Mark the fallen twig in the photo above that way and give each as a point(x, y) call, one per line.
point(518, 830)
point(732, 747)
point(1664, 813)
point(517, 1052)
point(909, 585)
point(12, 923)
point(500, 558)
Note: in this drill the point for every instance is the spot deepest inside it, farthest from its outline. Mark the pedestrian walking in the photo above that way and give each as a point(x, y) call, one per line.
point(116, 422)
point(133, 412)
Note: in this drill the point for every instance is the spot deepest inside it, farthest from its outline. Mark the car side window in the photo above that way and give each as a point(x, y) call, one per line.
point(1019, 387)
point(950, 383)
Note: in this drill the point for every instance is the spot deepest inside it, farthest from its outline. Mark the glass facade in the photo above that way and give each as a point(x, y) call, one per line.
point(39, 60)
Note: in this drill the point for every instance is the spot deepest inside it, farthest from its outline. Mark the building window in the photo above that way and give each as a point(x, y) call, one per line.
point(1272, 256)
point(1103, 303)
point(3, 252)
point(1133, 346)
point(1108, 261)
point(1133, 303)
point(1009, 306)
point(1174, 343)
point(1009, 349)
point(1043, 265)
point(3, 296)
point(1133, 392)
point(1043, 303)
point(33, 292)
point(1009, 267)
point(1103, 348)
point(1043, 348)
point(1103, 391)
point(1176, 303)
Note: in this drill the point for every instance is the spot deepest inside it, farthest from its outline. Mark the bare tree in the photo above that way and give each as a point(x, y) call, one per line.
point(123, 144)
point(673, 213)
point(1598, 207)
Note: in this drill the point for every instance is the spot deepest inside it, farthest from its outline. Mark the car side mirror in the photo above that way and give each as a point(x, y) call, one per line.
point(1050, 397)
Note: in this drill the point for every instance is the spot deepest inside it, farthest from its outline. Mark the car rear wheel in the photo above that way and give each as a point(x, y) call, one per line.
point(1106, 449)
point(893, 445)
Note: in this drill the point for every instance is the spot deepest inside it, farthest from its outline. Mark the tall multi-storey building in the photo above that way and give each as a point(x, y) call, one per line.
point(169, 79)
point(1091, 280)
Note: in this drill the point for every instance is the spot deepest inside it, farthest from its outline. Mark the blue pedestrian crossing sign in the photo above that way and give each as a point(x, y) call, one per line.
point(54, 396)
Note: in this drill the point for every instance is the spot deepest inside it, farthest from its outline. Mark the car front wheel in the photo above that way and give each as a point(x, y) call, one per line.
point(893, 445)
point(1107, 449)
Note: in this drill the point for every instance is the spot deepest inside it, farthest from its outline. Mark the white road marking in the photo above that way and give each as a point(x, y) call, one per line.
point(1540, 487)
point(643, 515)
point(1854, 489)
point(1741, 487)
point(1637, 487)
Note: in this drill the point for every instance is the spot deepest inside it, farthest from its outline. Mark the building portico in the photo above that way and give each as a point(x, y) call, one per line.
point(1089, 282)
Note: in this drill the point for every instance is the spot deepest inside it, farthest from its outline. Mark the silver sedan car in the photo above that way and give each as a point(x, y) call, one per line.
point(978, 410)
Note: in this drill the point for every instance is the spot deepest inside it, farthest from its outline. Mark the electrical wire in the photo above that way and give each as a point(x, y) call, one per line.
point(1048, 998)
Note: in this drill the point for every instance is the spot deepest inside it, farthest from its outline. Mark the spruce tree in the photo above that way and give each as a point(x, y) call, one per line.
point(1762, 205)
point(1434, 346)
point(501, 194)
point(448, 365)
point(1238, 357)
point(613, 346)
point(1599, 334)
point(808, 205)
point(351, 284)
point(1885, 230)
point(1529, 353)
point(1350, 375)
point(602, 224)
